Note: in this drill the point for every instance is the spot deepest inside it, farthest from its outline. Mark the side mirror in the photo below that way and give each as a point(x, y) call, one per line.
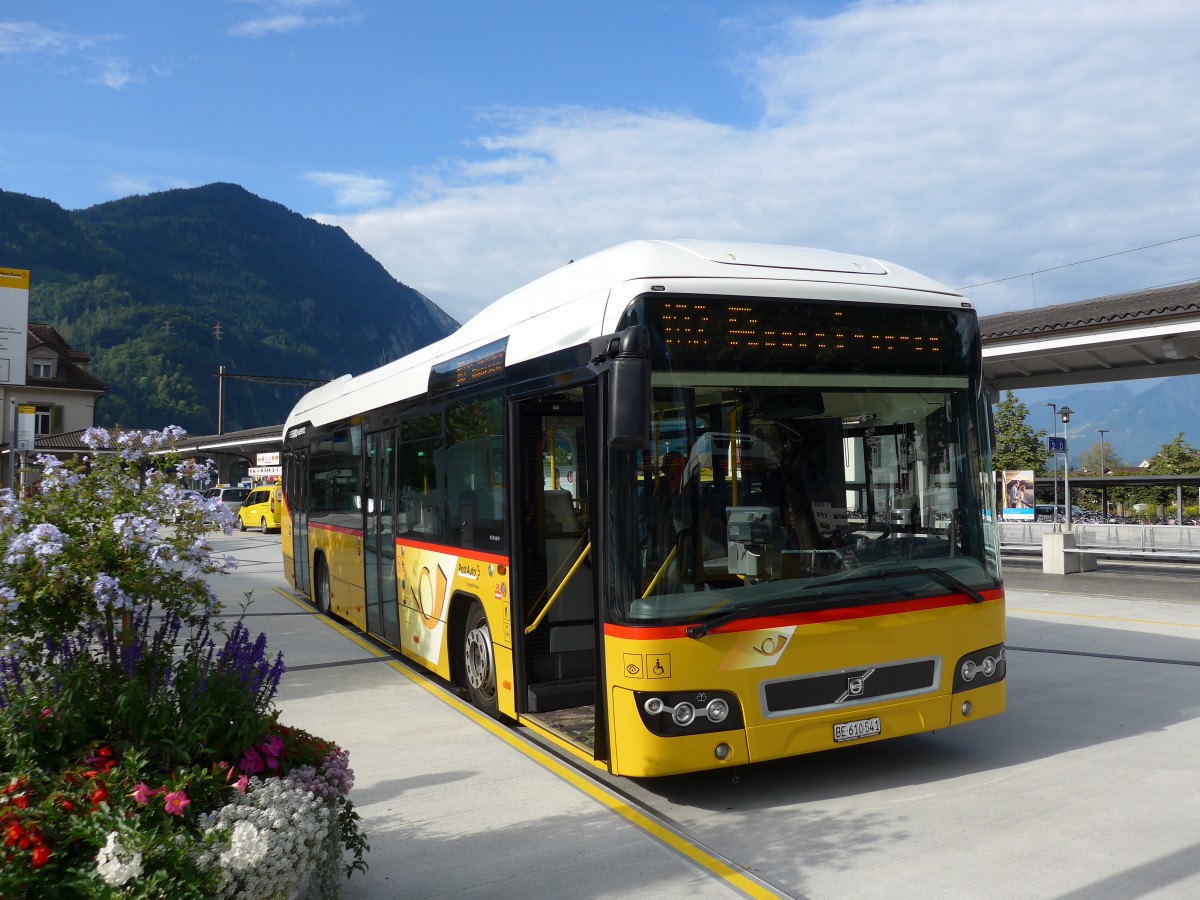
point(629, 391)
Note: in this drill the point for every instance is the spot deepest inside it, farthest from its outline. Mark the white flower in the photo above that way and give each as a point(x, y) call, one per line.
point(106, 591)
point(247, 847)
point(96, 438)
point(8, 599)
point(44, 540)
point(266, 841)
point(115, 864)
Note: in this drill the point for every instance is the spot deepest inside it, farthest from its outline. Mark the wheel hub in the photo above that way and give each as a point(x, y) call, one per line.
point(479, 658)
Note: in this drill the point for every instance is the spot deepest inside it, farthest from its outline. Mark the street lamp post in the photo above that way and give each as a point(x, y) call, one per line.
point(1103, 489)
point(1065, 413)
point(1054, 419)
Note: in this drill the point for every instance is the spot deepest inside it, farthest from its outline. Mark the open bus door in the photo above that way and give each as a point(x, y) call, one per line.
point(295, 482)
point(557, 583)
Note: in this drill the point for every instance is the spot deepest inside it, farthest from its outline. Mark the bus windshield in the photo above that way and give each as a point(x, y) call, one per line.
point(786, 478)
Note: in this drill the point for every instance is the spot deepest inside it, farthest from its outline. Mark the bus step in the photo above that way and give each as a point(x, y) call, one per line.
point(551, 695)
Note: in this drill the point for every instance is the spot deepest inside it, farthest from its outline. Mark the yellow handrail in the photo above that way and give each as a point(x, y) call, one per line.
point(661, 571)
point(558, 590)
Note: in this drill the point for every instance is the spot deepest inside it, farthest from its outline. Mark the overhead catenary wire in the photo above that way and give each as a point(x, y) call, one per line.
point(1078, 262)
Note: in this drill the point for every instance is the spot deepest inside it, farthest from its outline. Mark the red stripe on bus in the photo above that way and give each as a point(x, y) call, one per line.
point(336, 529)
point(454, 551)
point(811, 617)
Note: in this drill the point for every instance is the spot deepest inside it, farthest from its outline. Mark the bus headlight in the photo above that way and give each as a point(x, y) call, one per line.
point(982, 667)
point(683, 713)
point(718, 710)
point(673, 713)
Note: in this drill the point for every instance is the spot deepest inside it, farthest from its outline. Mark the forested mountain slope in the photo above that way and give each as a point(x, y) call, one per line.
point(165, 288)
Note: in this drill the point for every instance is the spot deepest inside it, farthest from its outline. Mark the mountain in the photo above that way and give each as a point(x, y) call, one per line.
point(165, 288)
point(1138, 419)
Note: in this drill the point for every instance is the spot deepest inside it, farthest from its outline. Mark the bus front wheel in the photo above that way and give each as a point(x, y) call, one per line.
point(321, 586)
point(480, 661)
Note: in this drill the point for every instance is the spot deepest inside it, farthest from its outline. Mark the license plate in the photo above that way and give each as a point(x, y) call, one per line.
point(853, 731)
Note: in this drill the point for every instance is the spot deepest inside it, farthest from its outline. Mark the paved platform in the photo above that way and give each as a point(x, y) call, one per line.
point(456, 806)
point(452, 804)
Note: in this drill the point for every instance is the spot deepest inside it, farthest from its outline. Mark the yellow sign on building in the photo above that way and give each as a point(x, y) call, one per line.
point(14, 324)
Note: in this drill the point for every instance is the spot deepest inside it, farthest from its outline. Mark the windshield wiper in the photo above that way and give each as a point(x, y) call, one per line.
point(700, 629)
point(941, 576)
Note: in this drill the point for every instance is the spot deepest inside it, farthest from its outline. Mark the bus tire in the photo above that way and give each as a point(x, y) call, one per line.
point(321, 586)
point(479, 661)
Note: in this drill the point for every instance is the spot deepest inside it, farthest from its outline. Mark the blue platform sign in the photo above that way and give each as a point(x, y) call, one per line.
point(1056, 444)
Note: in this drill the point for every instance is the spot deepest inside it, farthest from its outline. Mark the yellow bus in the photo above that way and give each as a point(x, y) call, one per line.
point(675, 506)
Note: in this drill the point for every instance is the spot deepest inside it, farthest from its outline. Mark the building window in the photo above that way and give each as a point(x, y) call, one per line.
point(47, 420)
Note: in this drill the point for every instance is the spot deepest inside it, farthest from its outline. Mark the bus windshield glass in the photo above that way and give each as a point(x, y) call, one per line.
point(803, 455)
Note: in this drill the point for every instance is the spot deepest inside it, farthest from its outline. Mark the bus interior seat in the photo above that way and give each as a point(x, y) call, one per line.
point(560, 510)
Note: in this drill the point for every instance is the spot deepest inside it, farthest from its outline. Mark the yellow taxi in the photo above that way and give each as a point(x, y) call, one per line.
point(261, 509)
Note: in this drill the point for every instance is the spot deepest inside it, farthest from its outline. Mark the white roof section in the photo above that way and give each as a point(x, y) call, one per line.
point(586, 298)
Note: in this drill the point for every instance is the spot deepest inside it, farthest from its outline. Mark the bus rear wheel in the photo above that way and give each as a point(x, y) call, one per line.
point(480, 661)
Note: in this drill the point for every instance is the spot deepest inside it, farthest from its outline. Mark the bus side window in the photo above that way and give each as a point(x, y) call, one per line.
point(475, 471)
point(421, 476)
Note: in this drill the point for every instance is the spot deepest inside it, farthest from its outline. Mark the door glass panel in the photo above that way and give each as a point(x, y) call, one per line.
point(386, 531)
point(556, 564)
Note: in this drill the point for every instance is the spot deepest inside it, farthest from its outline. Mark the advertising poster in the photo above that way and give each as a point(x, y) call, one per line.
point(14, 324)
point(1018, 495)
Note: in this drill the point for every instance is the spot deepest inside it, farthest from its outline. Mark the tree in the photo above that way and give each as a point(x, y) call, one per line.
point(1176, 458)
point(1018, 446)
point(1100, 453)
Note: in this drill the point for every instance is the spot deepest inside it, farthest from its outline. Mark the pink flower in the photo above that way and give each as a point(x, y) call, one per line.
point(142, 793)
point(175, 802)
point(251, 762)
point(241, 784)
point(46, 714)
point(274, 745)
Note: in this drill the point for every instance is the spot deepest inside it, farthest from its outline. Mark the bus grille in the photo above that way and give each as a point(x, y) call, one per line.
point(850, 687)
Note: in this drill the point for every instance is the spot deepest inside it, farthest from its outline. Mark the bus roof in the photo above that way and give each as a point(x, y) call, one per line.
point(571, 305)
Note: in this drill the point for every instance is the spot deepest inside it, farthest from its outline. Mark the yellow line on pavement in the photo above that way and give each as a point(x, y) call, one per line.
point(698, 854)
point(1070, 615)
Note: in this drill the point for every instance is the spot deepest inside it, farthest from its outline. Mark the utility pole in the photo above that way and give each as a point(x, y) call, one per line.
point(1103, 489)
point(1065, 412)
point(1054, 419)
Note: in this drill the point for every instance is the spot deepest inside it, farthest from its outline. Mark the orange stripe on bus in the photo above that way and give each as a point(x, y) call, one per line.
point(811, 617)
point(336, 529)
point(454, 551)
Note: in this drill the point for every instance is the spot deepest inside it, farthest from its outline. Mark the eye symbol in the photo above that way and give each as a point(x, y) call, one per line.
point(772, 646)
point(633, 669)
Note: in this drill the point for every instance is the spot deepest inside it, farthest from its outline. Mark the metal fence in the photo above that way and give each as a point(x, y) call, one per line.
point(1147, 539)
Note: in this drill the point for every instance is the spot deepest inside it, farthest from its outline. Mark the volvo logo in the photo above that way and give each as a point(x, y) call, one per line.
point(856, 686)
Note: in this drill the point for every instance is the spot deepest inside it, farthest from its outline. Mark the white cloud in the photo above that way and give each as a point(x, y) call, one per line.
point(284, 16)
point(30, 37)
point(120, 184)
point(115, 73)
point(969, 139)
point(30, 40)
point(351, 190)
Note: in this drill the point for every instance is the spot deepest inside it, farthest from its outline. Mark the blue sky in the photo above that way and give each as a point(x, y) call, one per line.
point(471, 147)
